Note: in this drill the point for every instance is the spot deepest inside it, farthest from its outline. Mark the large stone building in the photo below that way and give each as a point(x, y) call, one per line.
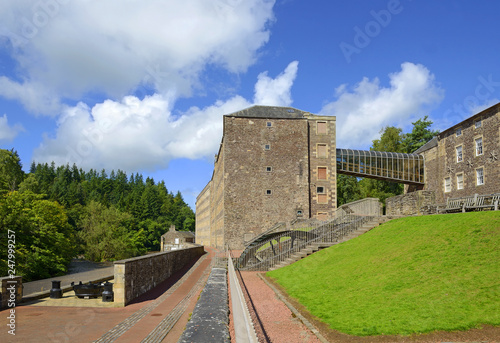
point(463, 159)
point(275, 164)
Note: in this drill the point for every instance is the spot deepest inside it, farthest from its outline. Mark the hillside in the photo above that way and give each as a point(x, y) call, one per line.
point(411, 275)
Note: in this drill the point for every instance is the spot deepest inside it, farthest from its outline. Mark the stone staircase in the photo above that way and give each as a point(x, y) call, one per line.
point(314, 247)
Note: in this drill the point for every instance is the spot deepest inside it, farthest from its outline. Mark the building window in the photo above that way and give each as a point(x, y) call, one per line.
point(477, 124)
point(269, 169)
point(447, 184)
point(460, 181)
point(459, 153)
point(321, 128)
point(479, 146)
point(459, 132)
point(269, 192)
point(299, 213)
point(321, 150)
point(267, 147)
point(321, 173)
point(320, 190)
point(269, 124)
point(479, 176)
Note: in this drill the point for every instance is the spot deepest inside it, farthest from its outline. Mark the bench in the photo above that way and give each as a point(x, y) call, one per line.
point(454, 204)
point(473, 203)
point(487, 201)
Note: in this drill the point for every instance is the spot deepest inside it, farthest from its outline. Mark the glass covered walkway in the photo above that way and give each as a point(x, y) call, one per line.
point(390, 166)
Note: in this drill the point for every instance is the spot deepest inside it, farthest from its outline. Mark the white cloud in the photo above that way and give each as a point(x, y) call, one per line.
point(276, 91)
point(34, 97)
point(135, 134)
point(368, 107)
point(113, 47)
point(8, 133)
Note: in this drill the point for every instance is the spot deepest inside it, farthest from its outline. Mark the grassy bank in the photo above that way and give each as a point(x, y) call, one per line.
point(411, 275)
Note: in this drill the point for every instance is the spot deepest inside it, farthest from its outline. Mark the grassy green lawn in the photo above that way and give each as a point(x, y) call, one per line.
point(411, 275)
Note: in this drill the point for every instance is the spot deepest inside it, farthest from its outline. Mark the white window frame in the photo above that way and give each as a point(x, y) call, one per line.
point(480, 176)
point(478, 146)
point(460, 184)
point(447, 184)
point(267, 147)
point(477, 124)
point(460, 157)
point(458, 132)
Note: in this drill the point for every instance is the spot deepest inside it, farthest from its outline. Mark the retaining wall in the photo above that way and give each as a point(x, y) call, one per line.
point(135, 276)
point(365, 207)
point(413, 203)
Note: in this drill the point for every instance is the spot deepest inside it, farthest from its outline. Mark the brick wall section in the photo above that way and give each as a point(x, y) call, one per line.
point(203, 216)
point(135, 276)
point(441, 161)
point(410, 203)
point(320, 208)
point(248, 208)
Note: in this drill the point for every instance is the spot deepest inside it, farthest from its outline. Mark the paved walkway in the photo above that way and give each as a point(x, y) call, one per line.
point(147, 319)
point(42, 286)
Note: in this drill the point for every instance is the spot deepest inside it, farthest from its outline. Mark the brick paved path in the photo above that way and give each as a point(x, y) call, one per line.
point(147, 319)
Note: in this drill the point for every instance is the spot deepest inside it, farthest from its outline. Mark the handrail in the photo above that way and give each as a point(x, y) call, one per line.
point(291, 241)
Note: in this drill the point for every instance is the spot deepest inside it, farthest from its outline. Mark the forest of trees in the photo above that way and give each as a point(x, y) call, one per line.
point(58, 213)
point(392, 139)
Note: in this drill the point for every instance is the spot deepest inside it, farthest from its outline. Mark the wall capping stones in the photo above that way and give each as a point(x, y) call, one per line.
point(136, 276)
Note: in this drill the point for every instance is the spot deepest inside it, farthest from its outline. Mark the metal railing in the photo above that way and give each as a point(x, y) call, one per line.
point(278, 246)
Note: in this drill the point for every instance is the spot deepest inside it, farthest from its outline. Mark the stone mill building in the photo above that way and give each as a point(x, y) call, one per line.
point(275, 164)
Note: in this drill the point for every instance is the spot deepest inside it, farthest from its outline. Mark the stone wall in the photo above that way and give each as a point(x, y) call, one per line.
point(413, 203)
point(274, 164)
point(263, 185)
point(217, 203)
point(135, 276)
point(323, 191)
point(202, 231)
point(441, 161)
point(365, 207)
point(12, 291)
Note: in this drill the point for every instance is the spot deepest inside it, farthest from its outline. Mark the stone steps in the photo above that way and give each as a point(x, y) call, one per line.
point(314, 247)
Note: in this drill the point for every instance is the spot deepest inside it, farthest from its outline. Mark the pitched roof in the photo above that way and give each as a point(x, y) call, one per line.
point(271, 112)
point(430, 144)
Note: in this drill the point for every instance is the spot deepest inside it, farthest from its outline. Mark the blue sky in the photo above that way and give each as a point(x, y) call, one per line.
point(142, 85)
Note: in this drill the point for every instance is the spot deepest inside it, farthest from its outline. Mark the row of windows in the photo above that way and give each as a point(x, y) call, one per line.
point(321, 127)
point(478, 144)
point(460, 180)
point(477, 125)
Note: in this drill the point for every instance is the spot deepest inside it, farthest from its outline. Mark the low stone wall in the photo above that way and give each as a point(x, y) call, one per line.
point(12, 291)
point(410, 204)
point(135, 276)
point(365, 207)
